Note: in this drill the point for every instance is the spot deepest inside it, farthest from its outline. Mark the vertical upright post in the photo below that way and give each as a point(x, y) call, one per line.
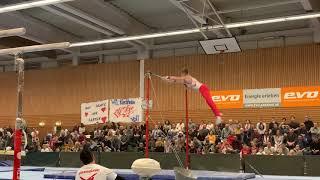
point(18, 127)
point(147, 115)
point(187, 131)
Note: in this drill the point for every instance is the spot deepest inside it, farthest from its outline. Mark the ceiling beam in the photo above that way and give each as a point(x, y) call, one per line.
point(36, 30)
point(82, 18)
point(219, 17)
point(77, 20)
point(195, 18)
point(90, 18)
point(314, 23)
point(119, 18)
point(254, 7)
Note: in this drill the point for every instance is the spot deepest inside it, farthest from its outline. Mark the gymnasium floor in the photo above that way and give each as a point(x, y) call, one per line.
point(6, 174)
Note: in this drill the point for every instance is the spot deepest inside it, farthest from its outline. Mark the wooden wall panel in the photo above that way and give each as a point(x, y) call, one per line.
point(56, 94)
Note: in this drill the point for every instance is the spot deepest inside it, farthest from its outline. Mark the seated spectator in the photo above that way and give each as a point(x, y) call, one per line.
point(212, 138)
point(315, 146)
point(315, 130)
point(246, 150)
point(278, 139)
point(301, 141)
point(237, 129)
point(269, 150)
point(141, 147)
point(226, 148)
point(254, 148)
point(210, 126)
point(301, 129)
point(82, 128)
point(266, 138)
point(166, 126)
point(255, 135)
point(202, 134)
point(159, 145)
point(247, 126)
point(260, 151)
point(46, 148)
point(291, 139)
point(180, 126)
point(167, 145)
point(282, 150)
point(156, 132)
point(226, 131)
point(296, 151)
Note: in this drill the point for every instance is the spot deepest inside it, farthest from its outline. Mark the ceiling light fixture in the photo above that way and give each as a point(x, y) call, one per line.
point(29, 4)
point(197, 30)
point(34, 48)
point(12, 32)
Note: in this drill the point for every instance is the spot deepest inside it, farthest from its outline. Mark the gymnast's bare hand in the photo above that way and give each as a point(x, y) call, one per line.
point(167, 79)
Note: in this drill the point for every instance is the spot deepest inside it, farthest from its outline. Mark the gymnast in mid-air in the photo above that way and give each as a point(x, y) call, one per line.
point(190, 82)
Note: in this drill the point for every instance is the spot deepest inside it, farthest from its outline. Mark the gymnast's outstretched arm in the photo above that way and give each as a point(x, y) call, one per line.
point(178, 79)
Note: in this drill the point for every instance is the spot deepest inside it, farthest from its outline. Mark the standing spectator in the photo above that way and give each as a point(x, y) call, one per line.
point(262, 127)
point(293, 123)
point(273, 123)
point(308, 123)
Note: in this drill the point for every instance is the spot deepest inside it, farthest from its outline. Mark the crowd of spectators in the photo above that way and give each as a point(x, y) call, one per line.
point(280, 137)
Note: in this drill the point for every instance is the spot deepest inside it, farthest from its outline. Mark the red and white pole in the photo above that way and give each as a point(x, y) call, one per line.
point(19, 120)
point(147, 115)
point(187, 131)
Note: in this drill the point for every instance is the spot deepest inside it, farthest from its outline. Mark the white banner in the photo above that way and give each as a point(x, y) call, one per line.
point(259, 98)
point(94, 112)
point(126, 110)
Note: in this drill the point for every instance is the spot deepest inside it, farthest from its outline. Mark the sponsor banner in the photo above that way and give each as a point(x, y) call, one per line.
point(126, 110)
point(300, 96)
point(260, 98)
point(228, 99)
point(94, 112)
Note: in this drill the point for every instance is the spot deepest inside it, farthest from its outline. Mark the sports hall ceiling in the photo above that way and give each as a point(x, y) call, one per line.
point(83, 20)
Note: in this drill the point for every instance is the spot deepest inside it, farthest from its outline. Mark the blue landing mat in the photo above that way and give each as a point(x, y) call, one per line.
point(166, 175)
